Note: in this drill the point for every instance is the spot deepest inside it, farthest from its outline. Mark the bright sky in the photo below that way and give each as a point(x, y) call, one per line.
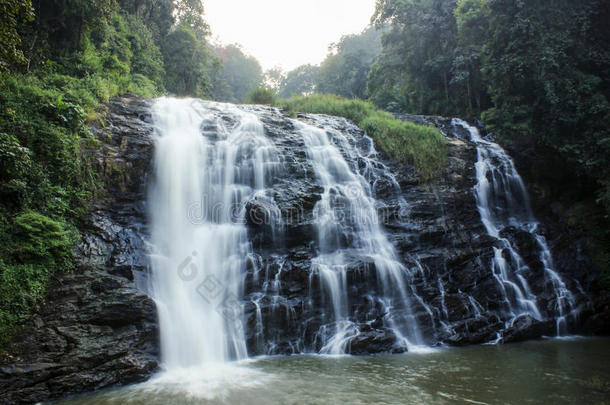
point(286, 33)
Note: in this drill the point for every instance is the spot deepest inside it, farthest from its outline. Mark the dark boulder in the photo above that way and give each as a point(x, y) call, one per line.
point(374, 341)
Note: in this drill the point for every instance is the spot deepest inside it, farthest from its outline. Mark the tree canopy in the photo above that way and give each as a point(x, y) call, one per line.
point(239, 75)
point(345, 70)
point(301, 81)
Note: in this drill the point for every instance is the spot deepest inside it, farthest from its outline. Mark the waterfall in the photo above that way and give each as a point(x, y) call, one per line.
point(269, 238)
point(202, 180)
point(348, 227)
point(503, 203)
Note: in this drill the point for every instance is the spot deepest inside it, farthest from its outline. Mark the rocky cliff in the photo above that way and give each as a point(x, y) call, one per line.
point(97, 328)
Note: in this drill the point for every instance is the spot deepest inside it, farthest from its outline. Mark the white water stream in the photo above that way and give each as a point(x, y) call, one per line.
point(348, 224)
point(199, 237)
point(503, 202)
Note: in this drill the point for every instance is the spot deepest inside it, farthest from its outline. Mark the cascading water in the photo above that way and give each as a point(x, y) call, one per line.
point(199, 238)
point(234, 271)
point(503, 203)
point(348, 226)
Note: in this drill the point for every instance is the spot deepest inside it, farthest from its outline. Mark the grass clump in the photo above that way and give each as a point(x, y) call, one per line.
point(420, 145)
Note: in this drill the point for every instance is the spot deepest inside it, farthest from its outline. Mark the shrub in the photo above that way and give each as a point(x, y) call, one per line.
point(262, 95)
point(21, 288)
point(35, 248)
point(42, 240)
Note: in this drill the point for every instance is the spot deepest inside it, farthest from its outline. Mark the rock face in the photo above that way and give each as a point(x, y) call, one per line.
point(94, 331)
point(95, 328)
point(439, 237)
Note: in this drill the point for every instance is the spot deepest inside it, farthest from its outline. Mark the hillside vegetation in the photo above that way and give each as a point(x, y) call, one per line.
point(60, 60)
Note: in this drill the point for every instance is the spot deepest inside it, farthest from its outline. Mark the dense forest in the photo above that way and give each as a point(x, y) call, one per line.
point(537, 73)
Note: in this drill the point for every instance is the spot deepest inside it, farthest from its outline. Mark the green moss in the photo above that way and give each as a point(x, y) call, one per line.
point(422, 146)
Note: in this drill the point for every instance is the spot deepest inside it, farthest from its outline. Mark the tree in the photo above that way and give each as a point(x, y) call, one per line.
point(157, 15)
point(414, 71)
point(188, 63)
point(345, 70)
point(64, 23)
point(274, 78)
point(536, 72)
point(472, 18)
point(300, 81)
point(239, 74)
point(190, 13)
point(547, 69)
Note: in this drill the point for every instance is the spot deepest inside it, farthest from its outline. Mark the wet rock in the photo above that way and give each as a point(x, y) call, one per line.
point(598, 316)
point(83, 339)
point(526, 327)
point(374, 341)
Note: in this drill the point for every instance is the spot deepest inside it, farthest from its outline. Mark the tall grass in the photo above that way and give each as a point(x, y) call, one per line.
point(422, 146)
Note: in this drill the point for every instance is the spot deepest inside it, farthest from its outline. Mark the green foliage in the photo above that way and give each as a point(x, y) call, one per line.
point(239, 75)
point(422, 146)
point(42, 240)
point(16, 172)
point(414, 70)
point(156, 15)
point(262, 95)
point(46, 125)
point(190, 14)
point(345, 70)
point(45, 185)
point(36, 248)
point(76, 54)
point(273, 78)
point(300, 81)
point(61, 25)
point(12, 12)
point(45, 181)
point(536, 72)
point(187, 63)
point(352, 109)
point(22, 286)
point(146, 59)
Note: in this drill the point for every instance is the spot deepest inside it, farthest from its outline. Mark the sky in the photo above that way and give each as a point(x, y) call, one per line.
point(286, 33)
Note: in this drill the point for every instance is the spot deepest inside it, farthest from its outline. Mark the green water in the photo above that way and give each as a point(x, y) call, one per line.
point(575, 371)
